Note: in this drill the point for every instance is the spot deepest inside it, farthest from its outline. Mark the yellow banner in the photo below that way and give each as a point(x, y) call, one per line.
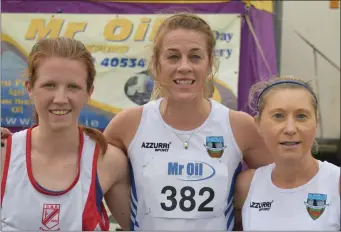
point(261, 5)
point(121, 47)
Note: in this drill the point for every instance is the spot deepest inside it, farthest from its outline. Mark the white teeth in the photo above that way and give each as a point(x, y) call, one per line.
point(184, 82)
point(59, 112)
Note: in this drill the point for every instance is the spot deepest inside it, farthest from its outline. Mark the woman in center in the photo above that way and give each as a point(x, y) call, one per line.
point(185, 150)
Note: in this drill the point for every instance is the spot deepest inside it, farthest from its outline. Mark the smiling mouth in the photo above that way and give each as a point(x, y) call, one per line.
point(184, 82)
point(60, 112)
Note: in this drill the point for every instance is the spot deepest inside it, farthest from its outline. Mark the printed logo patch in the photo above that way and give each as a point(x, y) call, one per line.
point(158, 147)
point(50, 217)
point(215, 146)
point(262, 206)
point(316, 204)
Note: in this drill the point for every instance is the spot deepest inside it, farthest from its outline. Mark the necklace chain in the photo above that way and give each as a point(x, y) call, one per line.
point(185, 142)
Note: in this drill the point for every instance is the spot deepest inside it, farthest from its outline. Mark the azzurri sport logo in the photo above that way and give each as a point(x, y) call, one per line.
point(158, 147)
point(191, 171)
point(262, 206)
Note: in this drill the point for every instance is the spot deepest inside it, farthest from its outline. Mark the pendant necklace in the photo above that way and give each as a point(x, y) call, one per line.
point(185, 142)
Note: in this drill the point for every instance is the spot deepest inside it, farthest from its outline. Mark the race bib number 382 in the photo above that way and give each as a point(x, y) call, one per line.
point(185, 188)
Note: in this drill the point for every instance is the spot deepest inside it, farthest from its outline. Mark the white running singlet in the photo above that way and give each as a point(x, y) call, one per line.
point(174, 188)
point(27, 206)
point(312, 206)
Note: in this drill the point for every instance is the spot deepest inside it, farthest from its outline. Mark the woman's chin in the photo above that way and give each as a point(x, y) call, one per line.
point(183, 96)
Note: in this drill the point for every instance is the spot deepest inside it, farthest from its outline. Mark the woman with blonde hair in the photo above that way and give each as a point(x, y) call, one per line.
point(185, 149)
point(296, 192)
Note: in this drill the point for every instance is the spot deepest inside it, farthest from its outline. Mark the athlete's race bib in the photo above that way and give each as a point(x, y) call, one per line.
point(185, 188)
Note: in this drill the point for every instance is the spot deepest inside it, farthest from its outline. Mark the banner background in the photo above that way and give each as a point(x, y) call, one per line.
point(121, 47)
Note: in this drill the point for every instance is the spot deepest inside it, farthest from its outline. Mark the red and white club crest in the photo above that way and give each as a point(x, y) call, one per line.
point(50, 216)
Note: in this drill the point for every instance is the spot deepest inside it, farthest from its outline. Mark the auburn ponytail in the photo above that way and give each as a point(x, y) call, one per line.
point(97, 136)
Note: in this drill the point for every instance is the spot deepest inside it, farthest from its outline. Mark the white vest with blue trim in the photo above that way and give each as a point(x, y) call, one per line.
point(174, 188)
point(313, 206)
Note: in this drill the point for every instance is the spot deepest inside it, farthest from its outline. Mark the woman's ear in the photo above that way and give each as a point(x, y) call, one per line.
point(29, 88)
point(91, 91)
point(256, 119)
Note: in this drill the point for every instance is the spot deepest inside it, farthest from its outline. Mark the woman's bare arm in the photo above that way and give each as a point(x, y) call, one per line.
point(242, 187)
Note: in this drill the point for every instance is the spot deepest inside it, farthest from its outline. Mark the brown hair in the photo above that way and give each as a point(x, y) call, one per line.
point(260, 90)
point(182, 21)
point(70, 49)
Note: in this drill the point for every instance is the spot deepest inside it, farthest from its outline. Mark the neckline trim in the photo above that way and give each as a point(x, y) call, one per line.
point(299, 188)
point(184, 132)
point(29, 165)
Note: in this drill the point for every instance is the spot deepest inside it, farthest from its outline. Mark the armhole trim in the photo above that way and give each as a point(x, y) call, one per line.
point(6, 166)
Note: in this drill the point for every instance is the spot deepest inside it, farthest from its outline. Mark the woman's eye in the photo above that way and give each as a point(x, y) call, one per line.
point(278, 116)
point(302, 116)
point(49, 85)
point(173, 57)
point(73, 86)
